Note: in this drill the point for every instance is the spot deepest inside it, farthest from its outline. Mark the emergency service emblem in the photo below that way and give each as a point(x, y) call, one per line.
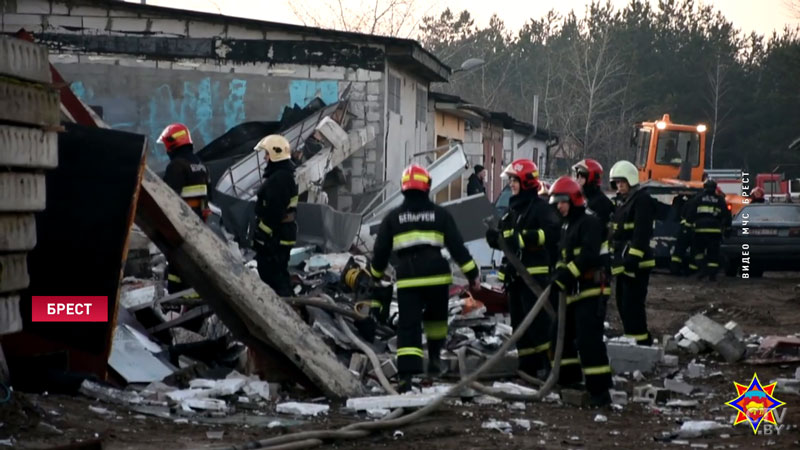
point(755, 403)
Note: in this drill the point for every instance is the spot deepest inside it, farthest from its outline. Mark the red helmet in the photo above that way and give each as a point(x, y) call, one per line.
point(590, 169)
point(757, 192)
point(567, 189)
point(416, 178)
point(174, 136)
point(527, 173)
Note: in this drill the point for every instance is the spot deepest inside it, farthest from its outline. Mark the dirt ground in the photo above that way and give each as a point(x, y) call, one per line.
point(766, 306)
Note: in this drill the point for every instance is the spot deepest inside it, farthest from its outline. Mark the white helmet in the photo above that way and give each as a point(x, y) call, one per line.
point(623, 170)
point(276, 146)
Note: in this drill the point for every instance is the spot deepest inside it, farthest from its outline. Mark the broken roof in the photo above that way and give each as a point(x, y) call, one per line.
point(408, 54)
point(504, 118)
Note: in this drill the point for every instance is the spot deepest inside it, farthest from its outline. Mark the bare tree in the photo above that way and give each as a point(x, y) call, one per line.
point(718, 89)
point(399, 18)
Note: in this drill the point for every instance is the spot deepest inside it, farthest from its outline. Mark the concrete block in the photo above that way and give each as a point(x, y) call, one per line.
point(669, 343)
point(618, 397)
point(22, 192)
point(630, 358)
point(13, 272)
point(690, 346)
point(789, 386)
point(333, 133)
point(357, 184)
point(25, 60)
point(669, 360)
point(238, 32)
point(17, 232)
point(737, 330)
point(358, 166)
point(373, 88)
point(358, 364)
point(358, 109)
point(574, 397)
point(33, 7)
point(390, 401)
point(373, 117)
point(28, 104)
point(722, 340)
point(10, 317)
point(88, 11)
point(681, 387)
point(205, 30)
point(650, 394)
point(370, 168)
point(168, 26)
point(130, 24)
point(28, 147)
point(373, 98)
point(372, 155)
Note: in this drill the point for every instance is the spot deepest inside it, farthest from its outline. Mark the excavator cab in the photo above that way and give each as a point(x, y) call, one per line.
point(665, 150)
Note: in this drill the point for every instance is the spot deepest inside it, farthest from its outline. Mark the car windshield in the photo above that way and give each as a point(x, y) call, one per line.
point(770, 213)
point(674, 145)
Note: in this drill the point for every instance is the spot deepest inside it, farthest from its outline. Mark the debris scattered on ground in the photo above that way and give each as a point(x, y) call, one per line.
point(301, 409)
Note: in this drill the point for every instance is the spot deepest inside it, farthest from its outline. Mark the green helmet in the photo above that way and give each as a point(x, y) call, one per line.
point(623, 170)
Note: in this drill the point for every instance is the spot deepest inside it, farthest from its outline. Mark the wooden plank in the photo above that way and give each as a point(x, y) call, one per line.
point(28, 147)
point(17, 232)
point(29, 104)
point(249, 308)
point(24, 60)
point(13, 272)
point(22, 192)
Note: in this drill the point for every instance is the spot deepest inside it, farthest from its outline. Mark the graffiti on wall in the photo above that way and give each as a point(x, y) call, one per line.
point(209, 107)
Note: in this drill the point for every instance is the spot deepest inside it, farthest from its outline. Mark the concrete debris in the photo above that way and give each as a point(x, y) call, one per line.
point(678, 386)
point(522, 423)
point(539, 423)
point(179, 396)
point(224, 387)
point(722, 340)
point(787, 385)
point(600, 418)
point(501, 426)
point(637, 375)
point(513, 388)
point(698, 428)
point(694, 370)
point(682, 403)
point(487, 400)
point(630, 358)
point(358, 364)
point(670, 360)
point(618, 397)
point(735, 329)
point(650, 394)
point(109, 394)
point(377, 413)
point(574, 397)
point(101, 411)
point(215, 434)
point(518, 406)
point(391, 401)
point(669, 344)
point(302, 409)
point(208, 404)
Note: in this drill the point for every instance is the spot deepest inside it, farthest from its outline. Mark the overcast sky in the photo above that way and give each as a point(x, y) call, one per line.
point(763, 16)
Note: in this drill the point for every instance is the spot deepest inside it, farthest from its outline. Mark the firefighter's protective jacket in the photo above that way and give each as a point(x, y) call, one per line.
point(416, 232)
point(276, 207)
point(631, 230)
point(530, 228)
point(603, 208)
point(579, 270)
point(708, 213)
point(188, 177)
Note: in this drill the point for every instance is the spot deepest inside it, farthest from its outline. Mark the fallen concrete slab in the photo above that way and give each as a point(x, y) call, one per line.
point(302, 409)
point(630, 358)
point(722, 340)
point(247, 306)
point(391, 401)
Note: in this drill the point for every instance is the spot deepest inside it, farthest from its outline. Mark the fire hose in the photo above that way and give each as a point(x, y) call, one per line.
point(309, 439)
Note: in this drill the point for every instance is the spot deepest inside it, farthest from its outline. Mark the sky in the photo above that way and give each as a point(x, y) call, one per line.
point(762, 16)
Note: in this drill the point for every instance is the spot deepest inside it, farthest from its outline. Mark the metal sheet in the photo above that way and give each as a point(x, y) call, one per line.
point(321, 225)
point(443, 171)
point(132, 359)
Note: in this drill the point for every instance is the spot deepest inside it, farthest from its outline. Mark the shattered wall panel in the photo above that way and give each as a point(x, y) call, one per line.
point(321, 225)
point(82, 241)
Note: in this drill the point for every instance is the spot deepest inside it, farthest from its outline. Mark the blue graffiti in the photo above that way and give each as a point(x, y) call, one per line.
point(234, 104)
point(301, 92)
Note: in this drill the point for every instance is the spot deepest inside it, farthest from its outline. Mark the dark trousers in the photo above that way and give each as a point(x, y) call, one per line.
point(534, 344)
point(420, 307)
point(679, 263)
point(273, 268)
point(585, 354)
point(631, 293)
point(705, 252)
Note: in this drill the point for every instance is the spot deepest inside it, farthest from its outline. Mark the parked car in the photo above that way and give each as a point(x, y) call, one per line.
point(771, 233)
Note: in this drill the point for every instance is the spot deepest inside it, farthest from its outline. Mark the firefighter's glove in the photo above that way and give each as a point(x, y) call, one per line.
point(562, 279)
point(492, 238)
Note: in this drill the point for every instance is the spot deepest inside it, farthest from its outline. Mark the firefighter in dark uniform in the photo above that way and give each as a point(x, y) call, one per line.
point(632, 260)
point(589, 174)
point(416, 232)
point(276, 210)
point(189, 178)
point(581, 274)
point(530, 229)
point(678, 261)
point(708, 215)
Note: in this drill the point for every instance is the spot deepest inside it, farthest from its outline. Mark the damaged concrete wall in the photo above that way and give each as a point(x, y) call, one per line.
point(144, 71)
